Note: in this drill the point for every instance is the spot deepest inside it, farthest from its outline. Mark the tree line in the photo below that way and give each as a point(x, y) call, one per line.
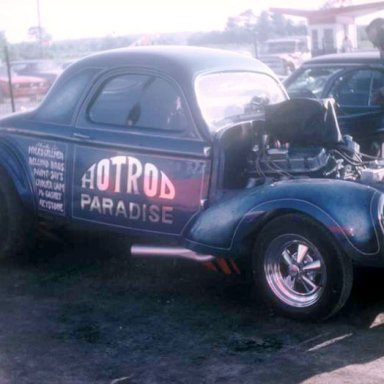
point(246, 28)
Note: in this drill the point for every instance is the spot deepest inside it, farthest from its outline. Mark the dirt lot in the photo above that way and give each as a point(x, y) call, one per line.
point(75, 315)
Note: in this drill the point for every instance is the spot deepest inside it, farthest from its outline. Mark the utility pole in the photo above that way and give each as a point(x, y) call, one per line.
point(39, 32)
point(9, 72)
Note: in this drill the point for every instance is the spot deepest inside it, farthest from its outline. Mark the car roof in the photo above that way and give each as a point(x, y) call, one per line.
point(177, 61)
point(361, 57)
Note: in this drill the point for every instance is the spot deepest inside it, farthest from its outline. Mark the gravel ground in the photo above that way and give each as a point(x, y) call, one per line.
point(77, 315)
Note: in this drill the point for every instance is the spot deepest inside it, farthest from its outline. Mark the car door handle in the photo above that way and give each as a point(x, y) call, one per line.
point(81, 136)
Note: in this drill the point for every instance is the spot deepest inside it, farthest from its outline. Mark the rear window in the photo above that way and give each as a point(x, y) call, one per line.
point(136, 101)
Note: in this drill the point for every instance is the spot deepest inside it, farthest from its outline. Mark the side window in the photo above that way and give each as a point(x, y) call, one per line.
point(311, 82)
point(315, 40)
point(377, 84)
point(353, 88)
point(139, 101)
point(328, 40)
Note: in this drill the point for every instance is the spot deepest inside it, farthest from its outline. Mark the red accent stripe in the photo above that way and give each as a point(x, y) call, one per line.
point(235, 267)
point(210, 266)
point(224, 266)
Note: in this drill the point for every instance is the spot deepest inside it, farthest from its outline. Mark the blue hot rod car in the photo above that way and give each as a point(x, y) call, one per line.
point(198, 153)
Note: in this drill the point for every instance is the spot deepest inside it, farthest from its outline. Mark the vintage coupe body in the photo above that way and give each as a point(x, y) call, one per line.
point(198, 153)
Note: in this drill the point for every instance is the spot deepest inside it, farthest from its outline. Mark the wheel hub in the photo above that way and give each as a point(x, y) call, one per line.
point(294, 270)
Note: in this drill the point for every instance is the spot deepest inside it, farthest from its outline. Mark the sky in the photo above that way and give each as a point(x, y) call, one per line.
point(71, 19)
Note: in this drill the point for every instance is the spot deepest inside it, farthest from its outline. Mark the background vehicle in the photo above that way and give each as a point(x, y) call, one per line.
point(285, 55)
point(22, 86)
point(197, 153)
point(46, 69)
point(353, 80)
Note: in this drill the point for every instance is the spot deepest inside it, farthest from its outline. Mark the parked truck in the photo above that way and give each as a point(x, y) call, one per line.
point(284, 55)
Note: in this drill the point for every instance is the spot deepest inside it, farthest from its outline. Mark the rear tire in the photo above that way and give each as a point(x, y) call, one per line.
point(16, 224)
point(300, 270)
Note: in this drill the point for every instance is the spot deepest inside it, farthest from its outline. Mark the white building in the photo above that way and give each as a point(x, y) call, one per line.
point(328, 27)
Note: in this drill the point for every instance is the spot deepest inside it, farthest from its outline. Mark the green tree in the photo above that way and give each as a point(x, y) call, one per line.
point(3, 46)
point(40, 35)
point(279, 24)
point(264, 27)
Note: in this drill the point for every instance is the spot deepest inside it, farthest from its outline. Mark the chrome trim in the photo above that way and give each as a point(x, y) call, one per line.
point(159, 251)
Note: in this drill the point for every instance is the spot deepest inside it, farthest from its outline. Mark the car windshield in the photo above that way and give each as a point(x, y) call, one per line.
point(310, 82)
point(229, 97)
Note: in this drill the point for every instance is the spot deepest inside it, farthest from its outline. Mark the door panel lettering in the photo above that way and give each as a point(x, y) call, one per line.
point(146, 192)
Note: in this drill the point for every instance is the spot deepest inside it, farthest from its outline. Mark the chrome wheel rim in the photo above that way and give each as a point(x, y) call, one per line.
point(295, 271)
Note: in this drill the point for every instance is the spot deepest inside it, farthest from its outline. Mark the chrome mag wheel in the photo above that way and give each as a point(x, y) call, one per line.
point(295, 270)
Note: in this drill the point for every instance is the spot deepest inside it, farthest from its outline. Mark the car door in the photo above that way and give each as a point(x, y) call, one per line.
point(354, 90)
point(139, 161)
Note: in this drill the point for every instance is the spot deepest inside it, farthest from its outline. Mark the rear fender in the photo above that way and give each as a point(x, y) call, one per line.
point(15, 168)
point(349, 211)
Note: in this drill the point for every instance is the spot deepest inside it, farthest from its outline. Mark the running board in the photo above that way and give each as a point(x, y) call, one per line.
point(158, 251)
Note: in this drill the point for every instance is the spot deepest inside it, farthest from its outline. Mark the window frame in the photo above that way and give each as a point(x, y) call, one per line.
point(85, 122)
point(353, 71)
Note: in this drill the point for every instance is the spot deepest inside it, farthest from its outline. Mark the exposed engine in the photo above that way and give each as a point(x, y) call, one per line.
point(301, 138)
point(276, 160)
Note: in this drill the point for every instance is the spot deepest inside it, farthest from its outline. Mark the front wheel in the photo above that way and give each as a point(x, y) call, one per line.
point(300, 270)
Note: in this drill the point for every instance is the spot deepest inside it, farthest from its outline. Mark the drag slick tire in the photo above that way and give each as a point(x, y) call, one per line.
point(300, 270)
point(16, 224)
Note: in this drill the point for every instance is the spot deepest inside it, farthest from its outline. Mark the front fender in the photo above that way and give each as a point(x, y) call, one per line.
point(350, 212)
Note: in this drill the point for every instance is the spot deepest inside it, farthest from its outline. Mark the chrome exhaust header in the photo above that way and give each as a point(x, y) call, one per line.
point(139, 250)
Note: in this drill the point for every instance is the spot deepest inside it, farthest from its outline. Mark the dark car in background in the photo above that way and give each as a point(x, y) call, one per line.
point(47, 69)
point(353, 80)
point(22, 86)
